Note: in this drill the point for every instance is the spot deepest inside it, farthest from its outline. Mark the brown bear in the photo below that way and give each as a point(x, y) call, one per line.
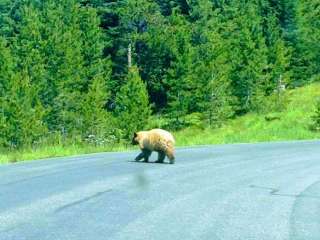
point(157, 140)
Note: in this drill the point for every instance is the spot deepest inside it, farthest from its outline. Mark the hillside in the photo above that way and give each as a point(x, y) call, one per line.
point(91, 72)
point(293, 124)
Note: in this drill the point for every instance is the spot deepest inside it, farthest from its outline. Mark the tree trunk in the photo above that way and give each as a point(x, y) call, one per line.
point(129, 56)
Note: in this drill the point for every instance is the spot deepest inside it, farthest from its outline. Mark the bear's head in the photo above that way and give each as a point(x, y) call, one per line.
point(135, 139)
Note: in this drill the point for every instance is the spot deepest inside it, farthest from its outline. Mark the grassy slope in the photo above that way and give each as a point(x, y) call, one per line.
point(293, 125)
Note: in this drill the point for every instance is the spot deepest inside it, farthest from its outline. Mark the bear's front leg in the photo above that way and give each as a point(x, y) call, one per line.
point(144, 154)
point(139, 157)
point(147, 154)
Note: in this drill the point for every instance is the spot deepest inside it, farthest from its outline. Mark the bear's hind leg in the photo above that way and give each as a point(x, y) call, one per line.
point(161, 156)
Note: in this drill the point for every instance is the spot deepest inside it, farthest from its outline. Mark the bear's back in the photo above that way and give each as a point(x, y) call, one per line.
point(162, 134)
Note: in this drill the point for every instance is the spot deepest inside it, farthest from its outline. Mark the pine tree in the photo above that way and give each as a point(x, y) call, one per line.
point(178, 80)
point(28, 48)
point(242, 30)
point(218, 103)
point(75, 66)
point(48, 46)
point(23, 113)
point(140, 27)
point(97, 74)
point(65, 66)
point(6, 75)
point(132, 104)
point(96, 120)
point(281, 78)
point(308, 23)
point(211, 68)
point(21, 116)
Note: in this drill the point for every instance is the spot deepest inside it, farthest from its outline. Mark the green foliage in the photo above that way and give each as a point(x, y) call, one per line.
point(23, 115)
point(60, 75)
point(21, 111)
point(64, 64)
point(96, 120)
point(276, 102)
point(211, 67)
point(308, 27)
point(132, 105)
point(180, 95)
point(290, 124)
point(316, 118)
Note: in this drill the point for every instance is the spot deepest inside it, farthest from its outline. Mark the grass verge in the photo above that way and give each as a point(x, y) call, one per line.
point(291, 124)
point(56, 151)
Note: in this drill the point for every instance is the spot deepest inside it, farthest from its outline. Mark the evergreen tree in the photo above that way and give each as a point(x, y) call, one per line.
point(249, 54)
point(65, 66)
point(211, 68)
point(28, 48)
point(97, 121)
point(21, 117)
point(178, 80)
point(216, 101)
point(281, 78)
point(72, 49)
point(132, 104)
point(97, 74)
point(23, 113)
point(6, 75)
point(308, 23)
point(140, 28)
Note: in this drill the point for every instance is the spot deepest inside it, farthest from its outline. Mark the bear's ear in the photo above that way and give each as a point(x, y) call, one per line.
point(134, 141)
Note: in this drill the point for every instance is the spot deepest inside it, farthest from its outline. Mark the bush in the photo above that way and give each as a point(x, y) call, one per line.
point(316, 118)
point(190, 120)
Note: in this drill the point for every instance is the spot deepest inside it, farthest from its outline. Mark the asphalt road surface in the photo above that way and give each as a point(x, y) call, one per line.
point(231, 192)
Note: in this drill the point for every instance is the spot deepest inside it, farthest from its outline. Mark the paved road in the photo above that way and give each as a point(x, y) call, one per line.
point(232, 192)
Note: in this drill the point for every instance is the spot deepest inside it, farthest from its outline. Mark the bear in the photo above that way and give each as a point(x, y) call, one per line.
point(157, 140)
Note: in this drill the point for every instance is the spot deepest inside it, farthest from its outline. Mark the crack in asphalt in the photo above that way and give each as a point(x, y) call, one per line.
point(72, 204)
point(274, 192)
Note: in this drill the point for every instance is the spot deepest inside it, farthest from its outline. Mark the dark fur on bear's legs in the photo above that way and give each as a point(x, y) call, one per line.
point(144, 154)
point(161, 156)
point(171, 160)
point(170, 155)
point(147, 155)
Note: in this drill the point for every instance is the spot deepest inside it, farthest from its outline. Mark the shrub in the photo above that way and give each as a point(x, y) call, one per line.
point(316, 118)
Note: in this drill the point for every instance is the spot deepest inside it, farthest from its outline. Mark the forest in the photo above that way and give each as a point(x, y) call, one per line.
point(97, 70)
